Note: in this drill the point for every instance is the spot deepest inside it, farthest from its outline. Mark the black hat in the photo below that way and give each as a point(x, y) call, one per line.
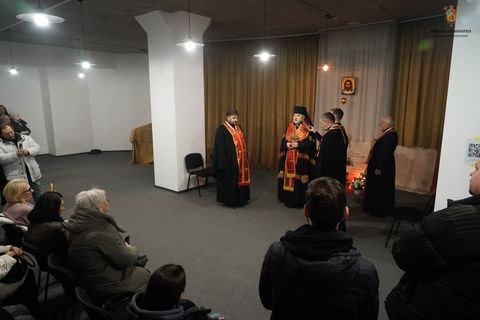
point(302, 110)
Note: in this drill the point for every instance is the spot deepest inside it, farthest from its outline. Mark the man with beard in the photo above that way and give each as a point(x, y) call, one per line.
point(297, 160)
point(17, 157)
point(231, 166)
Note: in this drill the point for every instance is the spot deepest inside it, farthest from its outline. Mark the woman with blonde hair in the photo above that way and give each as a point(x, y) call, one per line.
point(17, 192)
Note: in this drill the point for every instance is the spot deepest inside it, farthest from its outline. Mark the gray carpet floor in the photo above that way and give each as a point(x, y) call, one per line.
point(221, 248)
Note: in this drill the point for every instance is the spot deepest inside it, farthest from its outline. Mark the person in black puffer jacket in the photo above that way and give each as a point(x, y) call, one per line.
point(314, 272)
point(441, 261)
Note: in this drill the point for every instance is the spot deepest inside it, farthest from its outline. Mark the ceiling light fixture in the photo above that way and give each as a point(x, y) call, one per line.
point(325, 67)
point(85, 64)
point(189, 44)
point(264, 55)
point(81, 75)
point(39, 17)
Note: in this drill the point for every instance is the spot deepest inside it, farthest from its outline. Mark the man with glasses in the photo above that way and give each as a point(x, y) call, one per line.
point(17, 158)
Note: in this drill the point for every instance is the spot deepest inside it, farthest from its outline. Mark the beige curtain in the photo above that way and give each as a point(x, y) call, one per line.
point(421, 82)
point(263, 93)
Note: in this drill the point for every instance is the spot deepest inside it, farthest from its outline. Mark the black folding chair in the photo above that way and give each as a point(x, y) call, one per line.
point(41, 258)
point(195, 166)
point(409, 214)
point(59, 269)
point(93, 311)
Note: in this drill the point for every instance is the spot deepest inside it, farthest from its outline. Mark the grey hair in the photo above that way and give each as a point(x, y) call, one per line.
point(388, 119)
point(92, 199)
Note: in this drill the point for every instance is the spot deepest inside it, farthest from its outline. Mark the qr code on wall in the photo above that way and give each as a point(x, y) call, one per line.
point(473, 150)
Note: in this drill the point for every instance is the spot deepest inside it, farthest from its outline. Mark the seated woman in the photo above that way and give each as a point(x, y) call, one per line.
point(105, 264)
point(47, 229)
point(17, 192)
point(161, 300)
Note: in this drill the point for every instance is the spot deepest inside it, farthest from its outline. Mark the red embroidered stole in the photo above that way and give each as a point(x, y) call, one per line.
point(370, 153)
point(241, 150)
point(292, 155)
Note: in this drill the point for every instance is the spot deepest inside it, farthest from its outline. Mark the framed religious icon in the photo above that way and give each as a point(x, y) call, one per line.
point(348, 85)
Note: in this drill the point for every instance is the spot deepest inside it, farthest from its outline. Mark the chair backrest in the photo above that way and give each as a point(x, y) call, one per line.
point(94, 312)
point(59, 269)
point(429, 206)
point(37, 252)
point(193, 161)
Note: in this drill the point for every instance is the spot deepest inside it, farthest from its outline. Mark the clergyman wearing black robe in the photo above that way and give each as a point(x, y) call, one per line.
point(296, 164)
point(380, 181)
point(232, 172)
point(332, 157)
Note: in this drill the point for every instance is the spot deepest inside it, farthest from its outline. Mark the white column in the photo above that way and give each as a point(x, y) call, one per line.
point(462, 111)
point(176, 93)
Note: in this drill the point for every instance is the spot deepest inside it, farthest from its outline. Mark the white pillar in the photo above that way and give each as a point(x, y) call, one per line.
point(176, 93)
point(462, 110)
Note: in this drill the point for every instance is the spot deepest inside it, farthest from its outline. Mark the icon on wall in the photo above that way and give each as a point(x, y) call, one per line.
point(348, 85)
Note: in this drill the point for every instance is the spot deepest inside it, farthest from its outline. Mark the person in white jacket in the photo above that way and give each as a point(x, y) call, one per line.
point(17, 157)
point(7, 261)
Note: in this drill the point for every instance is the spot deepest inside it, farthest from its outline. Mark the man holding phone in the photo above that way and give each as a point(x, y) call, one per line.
point(17, 157)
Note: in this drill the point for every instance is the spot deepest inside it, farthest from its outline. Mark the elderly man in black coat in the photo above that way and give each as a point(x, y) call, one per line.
point(380, 183)
point(441, 261)
point(315, 272)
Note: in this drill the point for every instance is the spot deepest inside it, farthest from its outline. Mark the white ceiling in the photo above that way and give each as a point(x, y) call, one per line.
point(110, 25)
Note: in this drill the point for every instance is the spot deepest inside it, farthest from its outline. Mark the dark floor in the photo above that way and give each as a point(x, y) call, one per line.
point(222, 249)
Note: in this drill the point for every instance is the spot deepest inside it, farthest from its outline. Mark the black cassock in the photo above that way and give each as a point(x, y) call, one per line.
point(226, 171)
point(304, 170)
point(380, 189)
point(332, 158)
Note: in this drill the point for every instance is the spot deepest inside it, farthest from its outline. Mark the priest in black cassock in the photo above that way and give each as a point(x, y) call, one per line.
point(380, 181)
point(231, 166)
point(297, 160)
point(332, 157)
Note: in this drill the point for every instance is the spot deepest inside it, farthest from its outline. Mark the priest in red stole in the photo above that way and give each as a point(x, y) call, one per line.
point(232, 169)
point(297, 160)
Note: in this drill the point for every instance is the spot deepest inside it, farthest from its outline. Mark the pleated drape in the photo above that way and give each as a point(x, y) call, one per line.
point(421, 82)
point(263, 93)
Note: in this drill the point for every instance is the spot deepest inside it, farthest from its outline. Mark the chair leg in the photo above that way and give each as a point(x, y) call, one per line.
point(390, 233)
point(398, 225)
point(198, 186)
point(188, 183)
point(65, 304)
point(39, 279)
point(73, 309)
point(46, 287)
